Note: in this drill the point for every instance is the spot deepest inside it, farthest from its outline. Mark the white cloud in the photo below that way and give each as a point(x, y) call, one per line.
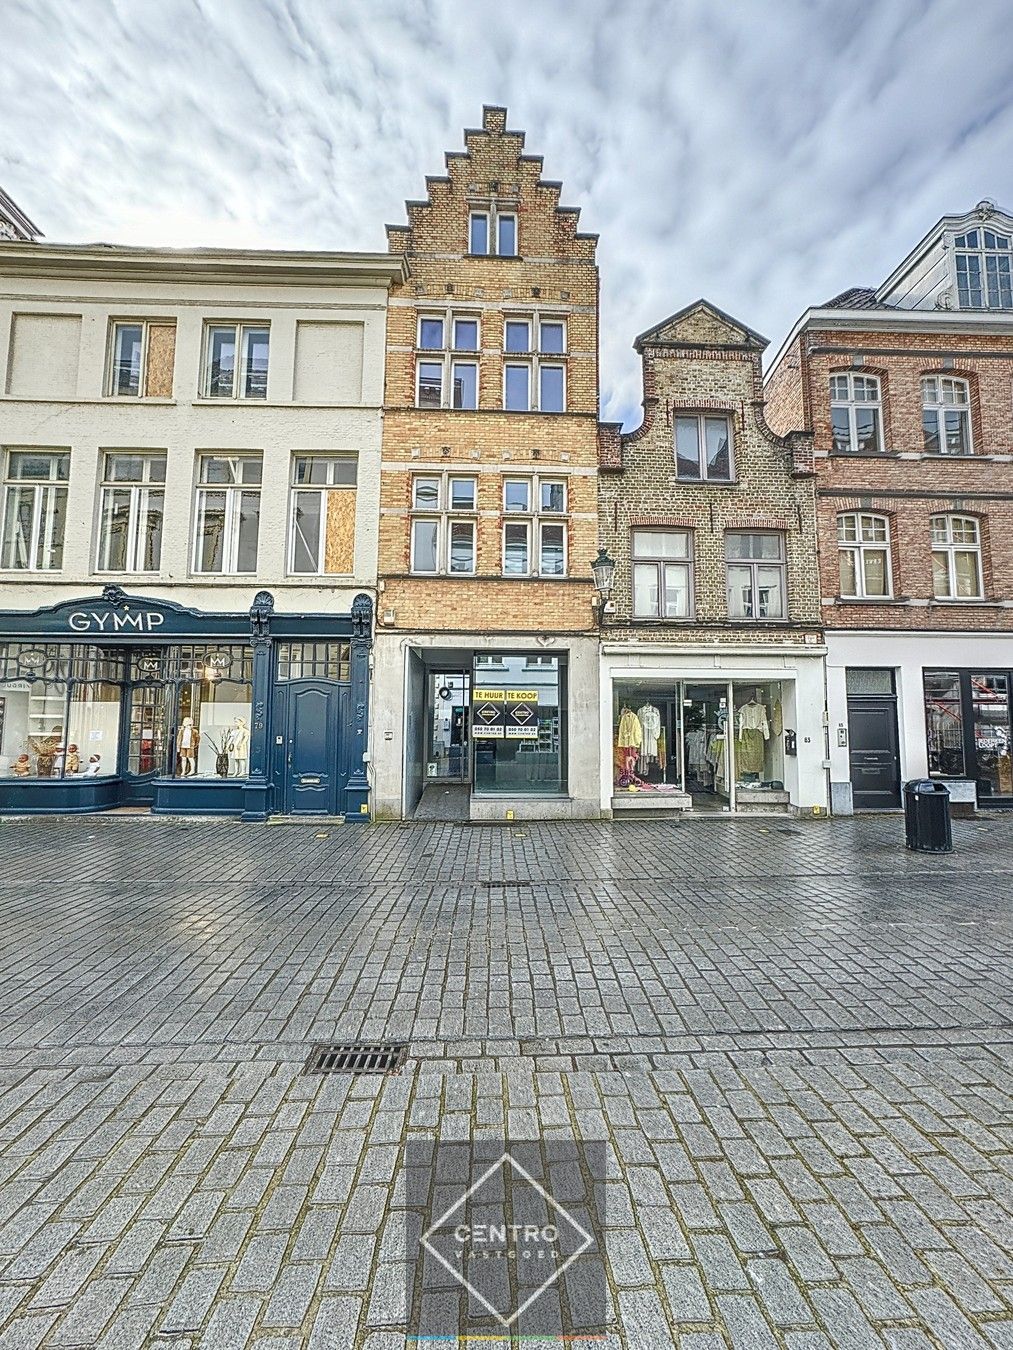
point(763, 155)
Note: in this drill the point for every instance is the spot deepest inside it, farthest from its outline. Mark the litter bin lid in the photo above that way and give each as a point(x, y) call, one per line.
point(923, 787)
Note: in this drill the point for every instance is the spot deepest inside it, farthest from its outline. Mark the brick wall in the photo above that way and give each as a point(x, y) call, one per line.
point(906, 485)
point(555, 276)
point(702, 361)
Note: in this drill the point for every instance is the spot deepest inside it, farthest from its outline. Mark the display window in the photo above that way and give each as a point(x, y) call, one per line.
point(968, 728)
point(191, 710)
point(714, 741)
point(59, 710)
point(518, 724)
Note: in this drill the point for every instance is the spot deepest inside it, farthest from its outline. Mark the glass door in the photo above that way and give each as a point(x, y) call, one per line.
point(145, 738)
point(990, 732)
point(448, 738)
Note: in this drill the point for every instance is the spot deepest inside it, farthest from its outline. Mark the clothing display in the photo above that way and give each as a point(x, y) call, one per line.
point(696, 745)
point(776, 719)
point(650, 726)
point(662, 751)
point(630, 733)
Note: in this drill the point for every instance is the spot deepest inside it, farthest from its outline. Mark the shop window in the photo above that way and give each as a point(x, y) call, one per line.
point(35, 510)
point(863, 542)
point(984, 263)
point(314, 660)
point(662, 574)
point(944, 723)
point(518, 721)
point(228, 514)
point(946, 416)
point(59, 710)
point(224, 346)
point(956, 558)
point(703, 447)
point(856, 414)
point(443, 527)
point(322, 515)
point(131, 512)
point(141, 359)
point(756, 575)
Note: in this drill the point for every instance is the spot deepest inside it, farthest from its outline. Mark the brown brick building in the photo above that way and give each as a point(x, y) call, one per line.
point(908, 391)
point(485, 642)
point(712, 673)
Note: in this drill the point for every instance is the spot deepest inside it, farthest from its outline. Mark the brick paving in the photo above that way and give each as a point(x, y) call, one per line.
point(795, 1040)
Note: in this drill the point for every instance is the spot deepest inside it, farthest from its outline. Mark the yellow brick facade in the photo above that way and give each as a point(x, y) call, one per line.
point(553, 276)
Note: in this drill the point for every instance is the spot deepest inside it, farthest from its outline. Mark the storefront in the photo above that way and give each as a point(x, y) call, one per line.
point(120, 700)
point(487, 732)
point(736, 733)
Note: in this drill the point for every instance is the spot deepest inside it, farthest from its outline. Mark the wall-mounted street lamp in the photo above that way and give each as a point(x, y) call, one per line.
point(603, 569)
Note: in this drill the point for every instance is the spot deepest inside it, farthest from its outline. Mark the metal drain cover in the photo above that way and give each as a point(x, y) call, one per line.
point(353, 1057)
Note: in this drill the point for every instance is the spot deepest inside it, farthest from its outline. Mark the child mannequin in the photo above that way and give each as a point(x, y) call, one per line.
point(187, 743)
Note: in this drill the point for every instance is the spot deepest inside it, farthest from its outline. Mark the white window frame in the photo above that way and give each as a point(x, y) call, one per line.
point(935, 404)
point(493, 215)
point(111, 380)
point(853, 405)
point(660, 563)
point(535, 515)
point(860, 546)
point(139, 492)
point(517, 522)
point(323, 491)
point(240, 371)
point(444, 515)
point(754, 564)
point(949, 547)
point(992, 291)
point(701, 419)
point(233, 507)
point(448, 357)
point(423, 318)
point(45, 493)
point(534, 358)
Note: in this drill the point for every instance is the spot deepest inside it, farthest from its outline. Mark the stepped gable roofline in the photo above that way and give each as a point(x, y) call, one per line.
point(14, 224)
point(494, 123)
point(656, 336)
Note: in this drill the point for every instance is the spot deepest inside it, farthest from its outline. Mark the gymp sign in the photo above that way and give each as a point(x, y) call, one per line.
point(112, 621)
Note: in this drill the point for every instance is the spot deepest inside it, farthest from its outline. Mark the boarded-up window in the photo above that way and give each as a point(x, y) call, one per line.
point(328, 362)
point(322, 520)
point(45, 349)
point(161, 354)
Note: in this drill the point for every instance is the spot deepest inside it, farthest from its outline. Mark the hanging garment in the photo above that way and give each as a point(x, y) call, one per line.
point(753, 717)
point(650, 725)
point(695, 751)
point(749, 752)
point(630, 734)
point(662, 750)
point(776, 718)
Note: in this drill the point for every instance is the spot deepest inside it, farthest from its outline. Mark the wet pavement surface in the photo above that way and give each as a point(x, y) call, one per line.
point(791, 1041)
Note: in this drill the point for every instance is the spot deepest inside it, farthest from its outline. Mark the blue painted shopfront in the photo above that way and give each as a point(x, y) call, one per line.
point(123, 700)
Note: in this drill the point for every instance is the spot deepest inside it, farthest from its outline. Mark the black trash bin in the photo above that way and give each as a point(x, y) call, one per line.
point(927, 816)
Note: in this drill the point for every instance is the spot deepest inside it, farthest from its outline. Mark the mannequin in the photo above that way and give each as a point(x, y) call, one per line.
point(73, 763)
point(239, 748)
point(754, 730)
point(21, 768)
point(94, 766)
point(187, 744)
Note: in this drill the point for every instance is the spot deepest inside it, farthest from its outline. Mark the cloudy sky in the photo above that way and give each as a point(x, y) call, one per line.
point(766, 154)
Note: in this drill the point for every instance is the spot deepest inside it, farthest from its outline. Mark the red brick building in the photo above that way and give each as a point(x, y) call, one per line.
point(908, 390)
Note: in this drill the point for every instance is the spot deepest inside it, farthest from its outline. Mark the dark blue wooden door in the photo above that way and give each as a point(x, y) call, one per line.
point(313, 757)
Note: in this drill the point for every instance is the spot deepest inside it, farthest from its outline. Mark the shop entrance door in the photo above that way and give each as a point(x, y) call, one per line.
point(145, 744)
point(708, 752)
point(312, 716)
point(448, 726)
point(872, 734)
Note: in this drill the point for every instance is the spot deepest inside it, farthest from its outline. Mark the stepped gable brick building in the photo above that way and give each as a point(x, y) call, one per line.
point(488, 495)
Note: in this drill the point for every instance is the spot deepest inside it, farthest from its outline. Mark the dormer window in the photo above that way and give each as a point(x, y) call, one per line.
point(984, 270)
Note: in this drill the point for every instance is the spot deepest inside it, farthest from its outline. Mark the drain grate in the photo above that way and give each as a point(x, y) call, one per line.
point(357, 1058)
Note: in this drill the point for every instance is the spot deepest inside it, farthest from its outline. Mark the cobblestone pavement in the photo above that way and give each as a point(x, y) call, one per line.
point(795, 1040)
